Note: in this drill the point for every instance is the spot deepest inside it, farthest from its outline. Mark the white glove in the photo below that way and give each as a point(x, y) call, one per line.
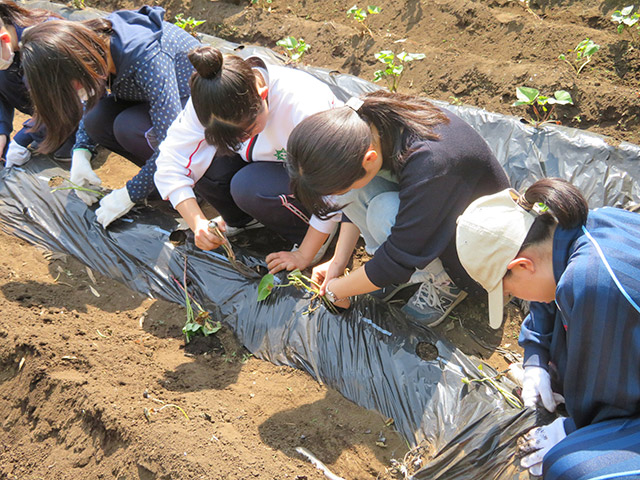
point(82, 175)
point(536, 383)
point(537, 442)
point(16, 155)
point(113, 206)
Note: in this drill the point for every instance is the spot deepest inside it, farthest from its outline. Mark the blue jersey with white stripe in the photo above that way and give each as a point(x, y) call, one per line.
point(591, 335)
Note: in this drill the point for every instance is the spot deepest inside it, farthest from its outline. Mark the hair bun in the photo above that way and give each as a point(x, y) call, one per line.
point(206, 60)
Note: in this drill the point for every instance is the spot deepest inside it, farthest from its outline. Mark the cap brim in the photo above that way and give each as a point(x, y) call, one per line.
point(496, 306)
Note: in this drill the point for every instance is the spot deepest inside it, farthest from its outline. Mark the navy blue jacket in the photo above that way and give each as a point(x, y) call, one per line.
point(438, 180)
point(591, 334)
point(150, 56)
point(14, 96)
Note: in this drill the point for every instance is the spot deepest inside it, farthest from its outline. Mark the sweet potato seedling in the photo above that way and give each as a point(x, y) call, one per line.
point(628, 21)
point(200, 324)
point(584, 50)
point(360, 15)
point(58, 183)
point(539, 104)
point(300, 281)
point(394, 66)
point(294, 48)
point(189, 24)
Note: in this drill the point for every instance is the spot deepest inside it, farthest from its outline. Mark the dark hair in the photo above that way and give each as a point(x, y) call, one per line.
point(13, 14)
point(325, 151)
point(55, 55)
point(225, 96)
point(567, 208)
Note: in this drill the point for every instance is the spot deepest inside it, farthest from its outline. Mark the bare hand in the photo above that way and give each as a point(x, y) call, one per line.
point(3, 144)
point(205, 239)
point(325, 272)
point(277, 261)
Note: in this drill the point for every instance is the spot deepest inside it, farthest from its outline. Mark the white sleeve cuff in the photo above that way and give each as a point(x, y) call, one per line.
point(325, 226)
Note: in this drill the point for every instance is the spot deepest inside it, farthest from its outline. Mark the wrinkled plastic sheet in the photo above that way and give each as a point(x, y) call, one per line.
point(368, 353)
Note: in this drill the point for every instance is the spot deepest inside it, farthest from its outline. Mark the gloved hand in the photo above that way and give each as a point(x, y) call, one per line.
point(537, 384)
point(82, 175)
point(113, 206)
point(535, 444)
point(16, 155)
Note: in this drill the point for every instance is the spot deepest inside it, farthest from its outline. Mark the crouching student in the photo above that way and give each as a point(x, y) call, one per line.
point(401, 170)
point(14, 95)
point(121, 80)
point(228, 145)
point(581, 340)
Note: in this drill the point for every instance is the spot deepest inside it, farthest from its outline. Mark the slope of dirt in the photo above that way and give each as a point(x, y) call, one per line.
point(477, 51)
point(78, 370)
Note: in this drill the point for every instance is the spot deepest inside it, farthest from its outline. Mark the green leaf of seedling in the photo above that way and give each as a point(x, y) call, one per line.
point(621, 28)
point(378, 75)
point(626, 10)
point(562, 57)
point(295, 274)
point(397, 70)
point(352, 10)
point(385, 56)
point(289, 43)
point(410, 57)
point(591, 49)
point(630, 21)
point(265, 287)
point(562, 97)
point(517, 103)
point(527, 94)
point(373, 9)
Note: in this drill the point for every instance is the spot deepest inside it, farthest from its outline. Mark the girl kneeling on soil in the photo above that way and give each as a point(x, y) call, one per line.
point(581, 339)
point(229, 141)
point(401, 171)
point(121, 80)
point(14, 95)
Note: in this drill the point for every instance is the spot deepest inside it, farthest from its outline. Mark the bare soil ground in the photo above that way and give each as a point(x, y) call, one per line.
point(81, 360)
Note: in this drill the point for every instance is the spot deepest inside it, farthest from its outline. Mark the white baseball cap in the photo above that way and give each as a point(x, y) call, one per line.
point(489, 235)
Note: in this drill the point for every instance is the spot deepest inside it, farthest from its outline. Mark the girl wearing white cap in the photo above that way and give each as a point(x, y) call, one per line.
point(581, 340)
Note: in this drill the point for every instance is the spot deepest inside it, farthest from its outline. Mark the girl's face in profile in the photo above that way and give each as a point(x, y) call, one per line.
point(531, 280)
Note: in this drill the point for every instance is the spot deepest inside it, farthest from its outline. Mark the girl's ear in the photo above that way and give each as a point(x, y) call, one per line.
point(522, 263)
point(263, 92)
point(369, 158)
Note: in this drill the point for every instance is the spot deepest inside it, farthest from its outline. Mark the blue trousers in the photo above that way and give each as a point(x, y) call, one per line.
point(242, 191)
point(604, 450)
point(123, 127)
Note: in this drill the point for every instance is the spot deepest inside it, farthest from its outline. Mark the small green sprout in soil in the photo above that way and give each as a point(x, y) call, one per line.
point(189, 24)
point(200, 324)
point(300, 281)
point(584, 50)
point(394, 66)
point(539, 104)
point(77, 4)
point(264, 4)
point(58, 183)
point(360, 15)
point(294, 48)
point(511, 399)
point(628, 22)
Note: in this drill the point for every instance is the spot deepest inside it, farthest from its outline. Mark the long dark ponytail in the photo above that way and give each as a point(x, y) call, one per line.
point(566, 207)
point(325, 151)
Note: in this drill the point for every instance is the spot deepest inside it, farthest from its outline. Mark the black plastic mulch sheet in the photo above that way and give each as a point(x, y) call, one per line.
point(368, 353)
